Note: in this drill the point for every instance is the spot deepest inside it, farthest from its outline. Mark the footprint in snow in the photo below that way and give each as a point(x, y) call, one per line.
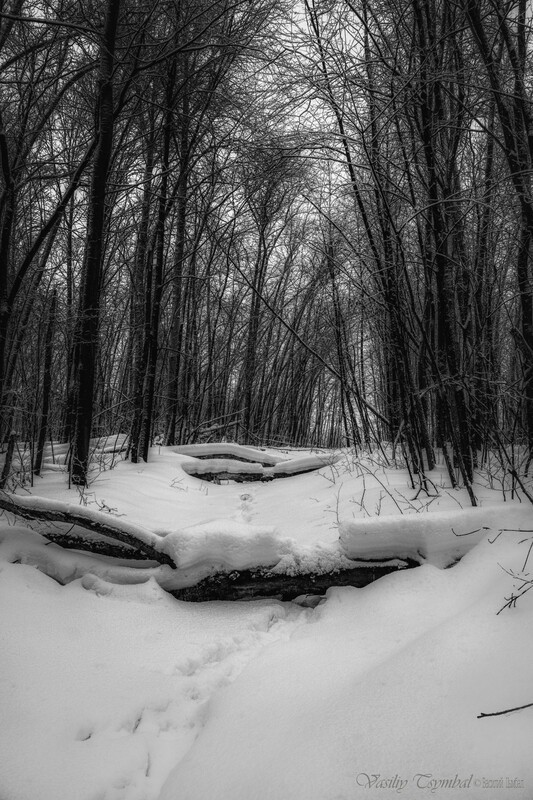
point(247, 500)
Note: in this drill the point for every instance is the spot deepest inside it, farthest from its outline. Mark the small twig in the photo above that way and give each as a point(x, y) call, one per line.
point(515, 475)
point(386, 490)
point(516, 530)
point(512, 600)
point(507, 711)
point(517, 577)
point(455, 498)
point(527, 556)
point(469, 533)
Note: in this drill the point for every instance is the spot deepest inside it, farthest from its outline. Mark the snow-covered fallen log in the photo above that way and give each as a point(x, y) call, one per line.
point(216, 469)
point(228, 450)
point(292, 576)
point(31, 507)
point(58, 453)
point(298, 466)
point(247, 584)
point(229, 559)
point(442, 539)
point(221, 560)
point(20, 545)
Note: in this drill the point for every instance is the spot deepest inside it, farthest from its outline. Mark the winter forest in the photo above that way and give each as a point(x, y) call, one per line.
point(305, 224)
point(266, 375)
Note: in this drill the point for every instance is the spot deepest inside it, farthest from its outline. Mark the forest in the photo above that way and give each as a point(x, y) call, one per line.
point(266, 399)
point(305, 224)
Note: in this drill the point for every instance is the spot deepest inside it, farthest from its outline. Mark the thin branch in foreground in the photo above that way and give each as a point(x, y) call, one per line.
point(513, 599)
point(527, 556)
point(469, 533)
point(517, 530)
point(507, 711)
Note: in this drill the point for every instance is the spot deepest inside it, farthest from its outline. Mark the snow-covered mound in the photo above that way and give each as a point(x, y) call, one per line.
point(440, 538)
point(225, 545)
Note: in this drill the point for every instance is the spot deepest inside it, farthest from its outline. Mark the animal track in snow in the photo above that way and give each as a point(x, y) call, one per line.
point(246, 507)
point(162, 728)
point(84, 733)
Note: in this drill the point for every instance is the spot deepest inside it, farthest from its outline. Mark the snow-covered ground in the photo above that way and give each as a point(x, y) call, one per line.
point(112, 690)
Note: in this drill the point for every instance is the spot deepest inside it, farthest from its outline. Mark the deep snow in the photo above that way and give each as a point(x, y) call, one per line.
point(114, 691)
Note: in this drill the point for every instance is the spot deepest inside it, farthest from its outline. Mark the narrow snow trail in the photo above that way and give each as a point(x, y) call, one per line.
point(199, 673)
point(106, 687)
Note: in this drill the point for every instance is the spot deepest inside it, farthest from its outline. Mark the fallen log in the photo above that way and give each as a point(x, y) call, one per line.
point(228, 450)
point(215, 475)
point(99, 524)
point(217, 468)
point(109, 536)
point(98, 546)
point(249, 584)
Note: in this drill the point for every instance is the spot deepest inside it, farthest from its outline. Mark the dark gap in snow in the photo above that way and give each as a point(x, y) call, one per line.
point(243, 477)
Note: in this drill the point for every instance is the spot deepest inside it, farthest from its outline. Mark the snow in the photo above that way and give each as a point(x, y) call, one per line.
point(388, 681)
point(19, 544)
point(110, 689)
point(223, 544)
point(103, 687)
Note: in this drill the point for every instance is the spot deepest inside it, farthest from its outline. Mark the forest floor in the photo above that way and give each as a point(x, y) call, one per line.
point(112, 690)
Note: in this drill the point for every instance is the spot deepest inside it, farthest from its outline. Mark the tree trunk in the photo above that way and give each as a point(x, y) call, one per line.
point(157, 276)
point(47, 386)
point(86, 341)
point(176, 333)
point(140, 300)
